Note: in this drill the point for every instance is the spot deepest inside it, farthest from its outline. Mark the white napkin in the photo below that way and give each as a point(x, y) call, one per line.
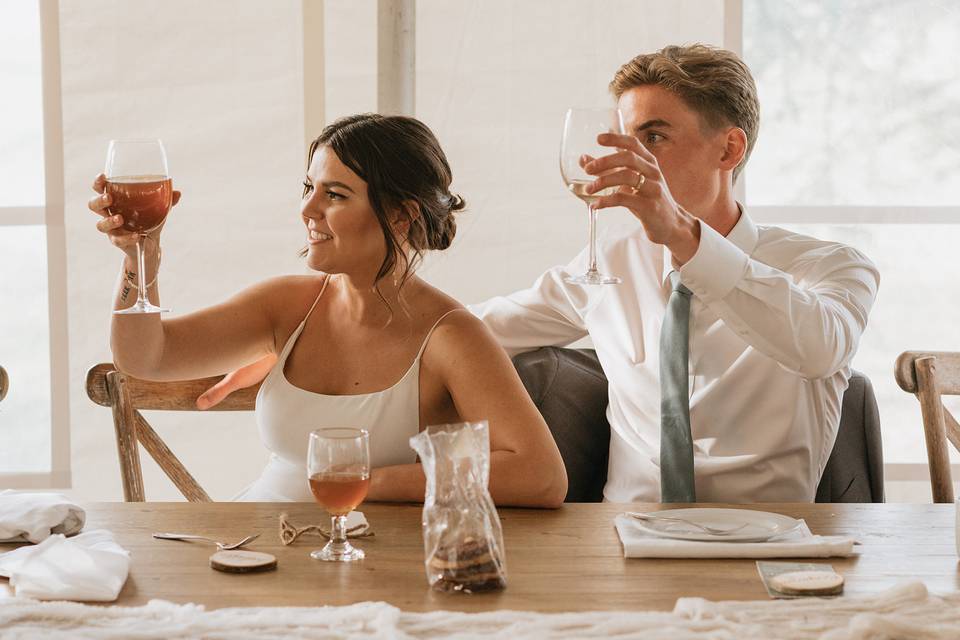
point(32, 517)
point(800, 543)
point(90, 566)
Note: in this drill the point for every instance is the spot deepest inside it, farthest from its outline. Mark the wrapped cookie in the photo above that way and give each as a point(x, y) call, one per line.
point(462, 537)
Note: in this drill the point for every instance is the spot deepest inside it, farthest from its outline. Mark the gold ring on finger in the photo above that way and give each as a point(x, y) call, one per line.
point(640, 180)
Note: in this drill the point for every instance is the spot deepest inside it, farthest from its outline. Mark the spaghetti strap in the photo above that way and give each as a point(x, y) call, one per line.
point(282, 358)
point(430, 333)
point(317, 299)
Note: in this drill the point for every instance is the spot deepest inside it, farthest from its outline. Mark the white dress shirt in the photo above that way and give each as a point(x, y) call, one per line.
point(775, 320)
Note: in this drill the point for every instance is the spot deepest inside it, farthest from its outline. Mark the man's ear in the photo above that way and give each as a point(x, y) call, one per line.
point(734, 149)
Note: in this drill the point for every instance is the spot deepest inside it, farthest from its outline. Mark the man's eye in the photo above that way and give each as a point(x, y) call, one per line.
point(653, 138)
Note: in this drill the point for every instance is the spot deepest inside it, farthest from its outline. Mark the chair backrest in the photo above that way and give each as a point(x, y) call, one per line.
point(854, 470)
point(4, 383)
point(570, 389)
point(929, 375)
point(127, 395)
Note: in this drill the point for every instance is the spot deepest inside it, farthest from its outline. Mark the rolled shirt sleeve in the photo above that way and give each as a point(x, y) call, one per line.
point(809, 320)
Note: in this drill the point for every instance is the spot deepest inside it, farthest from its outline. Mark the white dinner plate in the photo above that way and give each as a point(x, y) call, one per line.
point(758, 526)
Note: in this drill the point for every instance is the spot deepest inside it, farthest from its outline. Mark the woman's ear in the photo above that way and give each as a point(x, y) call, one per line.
point(403, 217)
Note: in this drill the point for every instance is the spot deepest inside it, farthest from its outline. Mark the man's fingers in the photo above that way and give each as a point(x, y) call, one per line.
point(631, 143)
point(211, 397)
point(619, 160)
point(626, 199)
point(625, 177)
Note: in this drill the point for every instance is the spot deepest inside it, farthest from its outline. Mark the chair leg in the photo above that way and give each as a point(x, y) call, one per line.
point(125, 426)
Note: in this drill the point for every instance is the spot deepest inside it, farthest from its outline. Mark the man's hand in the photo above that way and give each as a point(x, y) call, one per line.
point(642, 189)
point(240, 379)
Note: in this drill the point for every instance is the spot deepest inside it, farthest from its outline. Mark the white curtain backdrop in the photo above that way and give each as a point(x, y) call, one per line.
point(221, 82)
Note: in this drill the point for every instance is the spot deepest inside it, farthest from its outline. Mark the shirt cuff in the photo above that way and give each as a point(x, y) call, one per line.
point(716, 267)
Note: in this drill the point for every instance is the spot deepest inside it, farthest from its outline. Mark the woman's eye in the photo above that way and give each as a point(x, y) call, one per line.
point(307, 188)
point(333, 195)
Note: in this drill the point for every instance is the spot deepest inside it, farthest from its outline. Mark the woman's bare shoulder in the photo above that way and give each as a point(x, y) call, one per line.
point(288, 298)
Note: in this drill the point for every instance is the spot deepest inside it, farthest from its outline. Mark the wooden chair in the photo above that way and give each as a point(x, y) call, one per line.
point(929, 375)
point(4, 383)
point(126, 396)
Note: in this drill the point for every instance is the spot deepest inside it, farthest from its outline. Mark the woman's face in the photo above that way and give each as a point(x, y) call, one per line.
point(343, 233)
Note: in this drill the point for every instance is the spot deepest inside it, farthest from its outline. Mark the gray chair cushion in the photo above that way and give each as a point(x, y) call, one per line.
point(570, 389)
point(854, 472)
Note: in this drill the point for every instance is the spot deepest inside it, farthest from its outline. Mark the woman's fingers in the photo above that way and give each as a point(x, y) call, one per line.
point(100, 183)
point(109, 223)
point(99, 204)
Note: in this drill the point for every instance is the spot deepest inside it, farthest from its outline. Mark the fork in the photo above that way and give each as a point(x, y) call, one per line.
point(714, 531)
point(220, 545)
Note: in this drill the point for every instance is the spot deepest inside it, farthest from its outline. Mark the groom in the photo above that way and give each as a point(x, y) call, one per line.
point(727, 346)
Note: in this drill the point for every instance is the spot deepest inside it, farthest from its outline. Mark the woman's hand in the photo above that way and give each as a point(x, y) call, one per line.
point(112, 225)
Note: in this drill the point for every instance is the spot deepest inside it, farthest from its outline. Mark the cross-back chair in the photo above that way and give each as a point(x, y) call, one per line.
point(930, 375)
point(127, 396)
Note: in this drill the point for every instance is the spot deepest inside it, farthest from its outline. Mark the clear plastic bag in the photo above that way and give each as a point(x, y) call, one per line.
point(462, 537)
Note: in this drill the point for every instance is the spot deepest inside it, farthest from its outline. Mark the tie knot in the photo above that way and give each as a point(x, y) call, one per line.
point(675, 284)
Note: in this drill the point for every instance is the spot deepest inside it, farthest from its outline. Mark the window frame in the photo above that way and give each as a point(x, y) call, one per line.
point(51, 216)
point(826, 214)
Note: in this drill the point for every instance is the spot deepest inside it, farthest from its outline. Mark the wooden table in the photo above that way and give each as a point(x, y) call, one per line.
point(564, 560)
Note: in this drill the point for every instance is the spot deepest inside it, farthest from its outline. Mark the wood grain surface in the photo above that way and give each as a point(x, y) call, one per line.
point(564, 560)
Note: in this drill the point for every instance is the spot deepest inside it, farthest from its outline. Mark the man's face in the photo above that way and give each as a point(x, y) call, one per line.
point(688, 153)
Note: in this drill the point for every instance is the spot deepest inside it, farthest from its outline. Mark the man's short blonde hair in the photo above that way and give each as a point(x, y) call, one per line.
point(713, 82)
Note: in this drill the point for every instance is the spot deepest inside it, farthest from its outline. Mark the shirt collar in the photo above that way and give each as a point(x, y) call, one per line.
point(744, 235)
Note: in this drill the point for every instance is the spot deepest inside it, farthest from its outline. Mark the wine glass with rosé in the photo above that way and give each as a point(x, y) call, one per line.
point(338, 466)
point(141, 192)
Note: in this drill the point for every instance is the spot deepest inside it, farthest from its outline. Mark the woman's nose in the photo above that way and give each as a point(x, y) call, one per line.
point(312, 208)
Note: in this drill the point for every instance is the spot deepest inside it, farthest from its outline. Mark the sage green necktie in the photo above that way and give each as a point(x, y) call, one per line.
point(676, 443)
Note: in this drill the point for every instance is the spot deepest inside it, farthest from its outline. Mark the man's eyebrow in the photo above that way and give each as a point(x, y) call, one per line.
point(334, 183)
point(652, 123)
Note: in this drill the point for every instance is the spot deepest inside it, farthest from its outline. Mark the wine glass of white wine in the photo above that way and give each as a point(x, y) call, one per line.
point(580, 130)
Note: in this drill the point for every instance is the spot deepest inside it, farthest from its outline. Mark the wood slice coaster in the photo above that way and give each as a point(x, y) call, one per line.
point(243, 561)
point(808, 583)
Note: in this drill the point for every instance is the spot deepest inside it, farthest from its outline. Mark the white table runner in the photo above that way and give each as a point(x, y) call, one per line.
point(904, 612)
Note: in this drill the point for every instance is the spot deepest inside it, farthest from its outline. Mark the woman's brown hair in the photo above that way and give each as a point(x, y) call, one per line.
point(402, 163)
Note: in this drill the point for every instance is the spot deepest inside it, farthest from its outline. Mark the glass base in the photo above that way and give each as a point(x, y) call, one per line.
point(338, 552)
point(592, 277)
point(145, 307)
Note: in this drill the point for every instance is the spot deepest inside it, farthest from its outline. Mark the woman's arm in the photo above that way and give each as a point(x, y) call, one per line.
point(526, 469)
point(205, 343)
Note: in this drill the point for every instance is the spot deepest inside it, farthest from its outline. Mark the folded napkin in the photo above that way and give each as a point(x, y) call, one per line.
point(800, 543)
point(90, 566)
point(32, 517)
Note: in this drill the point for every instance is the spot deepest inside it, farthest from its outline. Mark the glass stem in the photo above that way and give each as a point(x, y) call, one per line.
point(141, 270)
point(338, 530)
point(593, 238)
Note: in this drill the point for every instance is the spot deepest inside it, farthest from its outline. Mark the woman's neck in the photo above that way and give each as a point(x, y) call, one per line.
point(362, 299)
